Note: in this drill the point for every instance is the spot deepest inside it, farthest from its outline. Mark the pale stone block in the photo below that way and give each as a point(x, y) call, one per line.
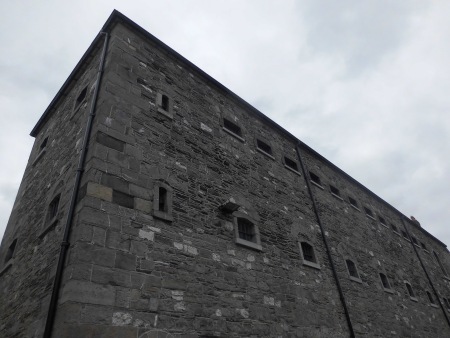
point(99, 191)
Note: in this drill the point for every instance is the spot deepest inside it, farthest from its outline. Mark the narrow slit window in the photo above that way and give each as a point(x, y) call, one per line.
point(246, 230)
point(335, 191)
point(290, 164)
point(410, 290)
point(422, 244)
point(351, 266)
point(53, 208)
point(405, 235)
point(447, 303)
point(308, 252)
point(414, 240)
point(10, 252)
point(353, 202)
point(430, 298)
point(43, 144)
point(394, 228)
point(162, 201)
point(439, 262)
point(384, 281)
point(81, 98)
point(382, 220)
point(165, 102)
point(264, 146)
point(230, 126)
point(315, 178)
point(368, 212)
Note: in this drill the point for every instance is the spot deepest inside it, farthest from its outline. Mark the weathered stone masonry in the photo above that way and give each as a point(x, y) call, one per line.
point(194, 219)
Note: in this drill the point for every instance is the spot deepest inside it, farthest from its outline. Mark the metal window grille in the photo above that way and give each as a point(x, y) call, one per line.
point(308, 252)
point(246, 230)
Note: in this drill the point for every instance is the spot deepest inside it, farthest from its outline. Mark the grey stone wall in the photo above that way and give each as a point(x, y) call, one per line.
point(139, 268)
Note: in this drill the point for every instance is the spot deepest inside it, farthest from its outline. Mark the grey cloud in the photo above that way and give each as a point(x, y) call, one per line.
point(360, 32)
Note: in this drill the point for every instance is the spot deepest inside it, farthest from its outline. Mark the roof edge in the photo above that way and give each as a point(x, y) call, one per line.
point(116, 15)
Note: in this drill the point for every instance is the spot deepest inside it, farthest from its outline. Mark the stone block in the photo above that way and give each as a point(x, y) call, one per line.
point(143, 205)
point(125, 261)
point(99, 191)
point(110, 142)
point(87, 293)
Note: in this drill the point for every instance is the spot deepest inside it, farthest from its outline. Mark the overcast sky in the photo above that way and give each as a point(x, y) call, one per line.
point(364, 83)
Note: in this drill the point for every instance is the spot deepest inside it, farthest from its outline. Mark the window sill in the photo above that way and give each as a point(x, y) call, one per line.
point(50, 226)
point(248, 244)
point(354, 207)
point(388, 290)
point(264, 153)
point(414, 299)
point(406, 239)
point(371, 217)
point(165, 113)
point(312, 264)
point(384, 225)
point(425, 250)
point(317, 184)
point(337, 196)
point(355, 279)
point(163, 215)
point(233, 134)
point(293, 170)
point(417, 245)
point(395, 232)
point(7, 267)
point(434, 305)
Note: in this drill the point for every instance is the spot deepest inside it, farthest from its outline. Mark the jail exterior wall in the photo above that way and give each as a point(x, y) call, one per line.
point(144, 265)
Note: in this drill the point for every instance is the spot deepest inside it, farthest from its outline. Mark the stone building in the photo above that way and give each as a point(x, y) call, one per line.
point(157, 203)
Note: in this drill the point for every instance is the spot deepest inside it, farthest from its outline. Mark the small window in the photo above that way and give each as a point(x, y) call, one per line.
point(368, 212)
point(162, 205)
point(352, 270)
point(446, 303)
point(264, 147)
point(53, 208)
point(382, 220)
point(232, 127)
point(422, 244)
point(164, 105)
point(353, 202)
point(308, 252)
point(246, 231)
point(414, 240)
point(439, 262)
point(384, 281)
point(405, 235)
point(315, 179)
point(394, 228)
point(43, 144)
point(80, 99)
point(430, 298)
point(308, 255)
point(290, 164)
point(165, 102)
point(10, 252)
point(162, 201)
point(335, 191)
point(410, 291)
